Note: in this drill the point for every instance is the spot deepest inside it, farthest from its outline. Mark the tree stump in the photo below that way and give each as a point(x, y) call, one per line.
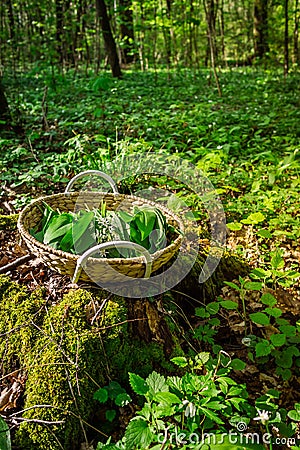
point(58, 353)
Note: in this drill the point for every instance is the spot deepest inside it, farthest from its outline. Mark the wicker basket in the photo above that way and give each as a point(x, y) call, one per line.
point(96, 269)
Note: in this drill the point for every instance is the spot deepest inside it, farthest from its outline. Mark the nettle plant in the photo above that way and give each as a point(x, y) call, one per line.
point(203, 400)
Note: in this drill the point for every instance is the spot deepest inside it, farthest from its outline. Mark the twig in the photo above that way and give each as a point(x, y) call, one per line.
point(34, 366)
point(33, 407)
point(100, 309)
point(16, 263)
point(60, 409)
point(32, 151)
point(121, 323)
point(44, 109)
point(8, 207)
point(46, 422)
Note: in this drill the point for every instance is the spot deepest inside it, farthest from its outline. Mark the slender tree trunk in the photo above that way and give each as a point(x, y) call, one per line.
point(109, 42)
point(286, 37)
point(260, 31)
point(11, 20)
point(127, 31)
point(169, 34)
point(78, 33)
point(222, 29)
point(210, 14)
point(296, 54)
point(59, 29)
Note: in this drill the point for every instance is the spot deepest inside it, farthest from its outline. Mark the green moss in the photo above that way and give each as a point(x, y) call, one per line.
point(8, 222)
point(20, 313)
point(63, 362)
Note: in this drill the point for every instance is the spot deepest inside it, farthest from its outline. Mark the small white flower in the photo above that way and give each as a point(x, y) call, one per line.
point(190, 410)
point(263, 416)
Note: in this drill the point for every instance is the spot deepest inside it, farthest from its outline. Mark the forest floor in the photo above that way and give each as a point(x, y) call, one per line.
point(245, 142)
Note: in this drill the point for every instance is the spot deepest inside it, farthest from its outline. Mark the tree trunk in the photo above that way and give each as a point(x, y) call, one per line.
point(59, 29)
point(11, 20)
point(286, 37)
point(222, 29)
point(109, 42)
point(126, 29)
point(296, 54)
point(260, 31)
point(169, 34)
point(211, 14)
point(4, 110)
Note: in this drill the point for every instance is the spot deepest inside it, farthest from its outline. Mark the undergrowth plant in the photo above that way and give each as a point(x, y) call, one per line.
point(270, 337)
point(203, 406)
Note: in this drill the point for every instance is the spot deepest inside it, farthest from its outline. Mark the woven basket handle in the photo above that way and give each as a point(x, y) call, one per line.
point(81, 261)
point(92, 172)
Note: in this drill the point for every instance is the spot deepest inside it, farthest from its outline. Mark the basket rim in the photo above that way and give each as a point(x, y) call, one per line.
point(74, 257)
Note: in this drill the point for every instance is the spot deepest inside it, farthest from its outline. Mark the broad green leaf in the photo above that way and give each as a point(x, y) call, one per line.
point(166, 397)
point(80, 225)
point(48, 214)
point(138, 434)
point(149, 218)
point(268, 299)
point(125, 216)
point(213, 307)
point(286, 374)
point(278, 339)
point(229, 304)
point(274, 312)
point(288, 330)
point(237, 402)
point(294, 414)
point(101, 395)
point(201, 359)
point(235, 391)
point(277, 261)
point(260, 318)
point(138, 384)
point(67, 244)
point(211, 415)
point(122, 399)
point(237, 364)
point(232, 285)
point(263, 348)
point(284, 359)
point(254, 219)
point(265, 234)
point(260, 274)
point(215, 405)
point(157, 383)
point(234, 226)
point(180, 361)
point(253, 286)
point(57, 227)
